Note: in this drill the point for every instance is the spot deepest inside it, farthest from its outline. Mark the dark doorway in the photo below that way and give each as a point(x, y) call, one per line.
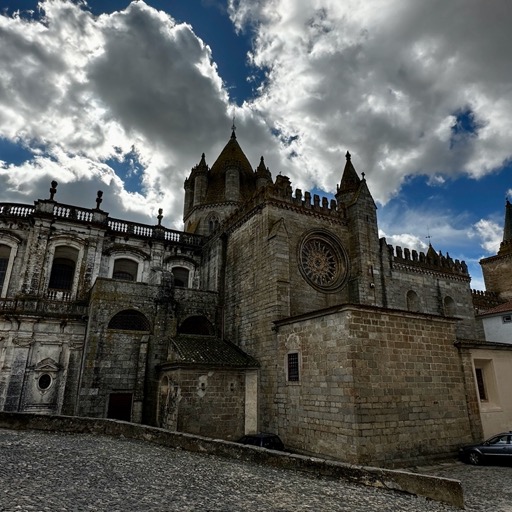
point(120, 406)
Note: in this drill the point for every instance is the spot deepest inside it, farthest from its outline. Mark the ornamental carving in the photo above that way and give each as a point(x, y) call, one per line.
point(322, 261)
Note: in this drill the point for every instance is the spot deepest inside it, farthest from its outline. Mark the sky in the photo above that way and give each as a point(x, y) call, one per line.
point(124, 97)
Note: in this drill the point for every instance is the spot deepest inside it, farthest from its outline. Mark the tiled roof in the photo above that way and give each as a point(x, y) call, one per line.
point(502, 308)
point(209, 350)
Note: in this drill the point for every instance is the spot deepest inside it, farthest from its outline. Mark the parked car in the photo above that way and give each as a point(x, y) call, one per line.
point(498, 447)
point(264, 440)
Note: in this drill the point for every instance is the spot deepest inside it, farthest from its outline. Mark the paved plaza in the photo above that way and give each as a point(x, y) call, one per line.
point(42, 471)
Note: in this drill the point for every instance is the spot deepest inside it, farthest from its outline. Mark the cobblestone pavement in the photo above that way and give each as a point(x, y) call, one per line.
point(486, 488)
point(68, 472)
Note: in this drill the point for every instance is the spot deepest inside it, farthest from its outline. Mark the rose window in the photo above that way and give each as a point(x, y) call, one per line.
point(322, 261)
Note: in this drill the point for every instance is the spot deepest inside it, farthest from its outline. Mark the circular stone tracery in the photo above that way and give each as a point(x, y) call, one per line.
point(322, 261)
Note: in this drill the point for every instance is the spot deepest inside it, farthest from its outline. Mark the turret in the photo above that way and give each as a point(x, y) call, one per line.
point(497, 270)
point(349, 184)
point(200, 176)
point(217, 191)
point(506, 244)
point(263, 176)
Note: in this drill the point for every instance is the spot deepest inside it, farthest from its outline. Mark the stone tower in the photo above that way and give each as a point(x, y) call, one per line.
point(212, 194)
point(355, 199)
point(497, 270)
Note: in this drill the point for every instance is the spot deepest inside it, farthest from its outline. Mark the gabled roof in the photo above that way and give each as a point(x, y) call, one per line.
point(209, 350)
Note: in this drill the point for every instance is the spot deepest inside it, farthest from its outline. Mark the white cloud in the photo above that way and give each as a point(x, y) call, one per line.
point(384, 80)
point(381, 79)
point(405, 240)
point(490, 235)
point(81, 90)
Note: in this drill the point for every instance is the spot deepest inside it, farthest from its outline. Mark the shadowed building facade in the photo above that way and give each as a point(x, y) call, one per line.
point(273, 310)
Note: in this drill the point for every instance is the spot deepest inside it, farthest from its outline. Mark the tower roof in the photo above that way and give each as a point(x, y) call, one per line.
point(230, 157)
point(506, 244)
point(350, 180)
point(507, 230)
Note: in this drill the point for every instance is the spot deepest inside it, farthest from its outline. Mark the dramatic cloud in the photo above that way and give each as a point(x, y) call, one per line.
point(127, 102)
point(85, 95)
point(408, 87)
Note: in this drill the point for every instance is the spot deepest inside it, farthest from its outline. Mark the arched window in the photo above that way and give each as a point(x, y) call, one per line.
point(129, 320)
point(413, 301)
point(213, 223)
point(125, 269)
point(5, 253)
point(63, 268)
point(450, 308)
point(196, 325)
point(181, 276)
point(8, 250)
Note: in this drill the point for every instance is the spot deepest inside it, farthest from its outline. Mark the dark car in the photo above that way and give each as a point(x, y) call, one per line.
point(498, 447)
point(264, 440)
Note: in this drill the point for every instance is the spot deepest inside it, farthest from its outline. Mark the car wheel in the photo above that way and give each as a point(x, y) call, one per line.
point(474, 458)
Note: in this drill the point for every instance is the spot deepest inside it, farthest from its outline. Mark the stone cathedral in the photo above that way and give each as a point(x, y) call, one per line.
point(273, 310)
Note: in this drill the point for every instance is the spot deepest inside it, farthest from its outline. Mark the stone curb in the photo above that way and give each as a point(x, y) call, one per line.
point(439, 489)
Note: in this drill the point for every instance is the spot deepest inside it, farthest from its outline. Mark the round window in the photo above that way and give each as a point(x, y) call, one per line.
point(322, 261)
point(44, 381)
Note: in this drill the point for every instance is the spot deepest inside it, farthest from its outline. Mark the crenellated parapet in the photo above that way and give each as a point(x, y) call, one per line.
point(484, 300)
point(427, 262)
point(281, 190)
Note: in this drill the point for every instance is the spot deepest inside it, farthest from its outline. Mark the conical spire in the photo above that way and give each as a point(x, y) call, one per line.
point(200, 169)
point(432, 255)
point(262, 170)
point(350, 180)
point(507, 230)
point(231, 158)
point(263, 176)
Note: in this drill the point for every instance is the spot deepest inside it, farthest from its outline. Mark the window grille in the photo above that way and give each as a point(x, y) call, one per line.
point(293, 367)
point(129, 320)
point(480, 384)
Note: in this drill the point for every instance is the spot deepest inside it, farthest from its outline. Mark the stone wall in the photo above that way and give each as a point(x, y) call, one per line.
point(115, 359)
point(432, 289)
point(376, 385)
point(29, 349)
point(498, 275)
point(209, 402)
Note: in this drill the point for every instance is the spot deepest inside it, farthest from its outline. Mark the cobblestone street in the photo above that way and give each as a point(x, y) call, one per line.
point(69, 472)
point(486, 488)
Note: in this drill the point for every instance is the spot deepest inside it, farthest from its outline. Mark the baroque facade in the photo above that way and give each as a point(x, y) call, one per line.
point(273, 310)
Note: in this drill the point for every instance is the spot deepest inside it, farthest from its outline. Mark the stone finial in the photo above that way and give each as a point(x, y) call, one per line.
point(233, 129)
point(99, 199)
point(53, 189)
point(348, 156)
point(160, 216)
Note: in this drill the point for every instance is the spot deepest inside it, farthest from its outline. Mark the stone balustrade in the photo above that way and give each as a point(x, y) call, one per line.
point(99, 218)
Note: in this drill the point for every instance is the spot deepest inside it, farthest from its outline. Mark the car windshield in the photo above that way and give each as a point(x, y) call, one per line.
point(499, 440)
